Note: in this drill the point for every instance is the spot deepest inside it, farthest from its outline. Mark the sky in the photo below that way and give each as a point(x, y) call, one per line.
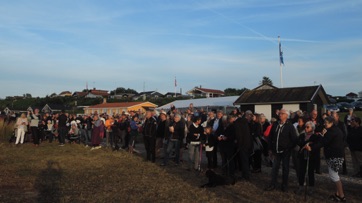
point(52, 46)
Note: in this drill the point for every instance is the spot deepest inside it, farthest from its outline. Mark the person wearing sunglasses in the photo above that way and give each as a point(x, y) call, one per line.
point(307, 141)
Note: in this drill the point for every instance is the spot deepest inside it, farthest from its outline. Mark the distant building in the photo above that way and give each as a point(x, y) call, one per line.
point(148, 95)
point(203, 92)
point(79, 94)
point(267, 101)
point(172, 94)
point(54, 108)
point(351, 95)
point(122, 96)
point(65, 94)
point(117, 108)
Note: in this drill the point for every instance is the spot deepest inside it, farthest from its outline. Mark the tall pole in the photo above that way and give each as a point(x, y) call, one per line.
point(175, 87)
point(280, 62)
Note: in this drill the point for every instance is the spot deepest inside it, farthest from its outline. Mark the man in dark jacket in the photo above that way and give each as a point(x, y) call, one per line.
point(341, 125)
point(282, 139)
point(176, 134)
point(218, 129)
point(244, 144)
point(149, 135)
point(62, 127)
point(354, 140)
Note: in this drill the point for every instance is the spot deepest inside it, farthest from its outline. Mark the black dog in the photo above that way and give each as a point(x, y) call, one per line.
point(215, 180)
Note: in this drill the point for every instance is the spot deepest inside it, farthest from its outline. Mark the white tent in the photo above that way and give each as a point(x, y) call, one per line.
point(206, 103)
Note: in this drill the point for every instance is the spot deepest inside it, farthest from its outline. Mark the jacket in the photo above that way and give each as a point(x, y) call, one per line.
point(244, 140)
point(179, 130)
point(199, 130)
point(354, 139)
point(283, 137)
point(150, 127)
point(229, 143)
point(313, 140)
point(332, 142)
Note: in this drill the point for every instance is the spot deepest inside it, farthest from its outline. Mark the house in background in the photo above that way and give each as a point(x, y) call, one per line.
point(54, 108)
point(352, 95)
point(65, 94)
point(79, 94)
point(122, 96)
point(118, 108)
point(172, 94)
point(148, 95)
point(94, 93)
point(268, 100)
point(204, 92)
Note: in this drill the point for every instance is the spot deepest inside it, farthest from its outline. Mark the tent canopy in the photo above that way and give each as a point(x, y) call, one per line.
point(203, 102)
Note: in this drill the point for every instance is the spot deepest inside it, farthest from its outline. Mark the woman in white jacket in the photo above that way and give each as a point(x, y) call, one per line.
point(22, 124)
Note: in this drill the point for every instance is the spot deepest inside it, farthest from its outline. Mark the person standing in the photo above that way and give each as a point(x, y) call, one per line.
point(62, 128)
point(307, 142)
point(332, 142)
point(341, 125)
point(227, 146)
point(194, 137)
point(88, 127)
point(244, 144)
point(109, 132)
point(98, 130)
point(162, 132)
point(218, 129)
point(149, 136)
point(283, 139)
point(22, 124)
point(176, 134)
point(318, 129)
point(34, 125)
point(354, 140)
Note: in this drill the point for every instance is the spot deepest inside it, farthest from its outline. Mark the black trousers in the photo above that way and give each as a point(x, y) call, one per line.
point(256, 158)
point(150, 145)
point(215, 153)
point(317, 161)
point(303, 169)
point(245, 165)
point(62, 133)
point(228, 165)
point(35, 133)
point(210, 159)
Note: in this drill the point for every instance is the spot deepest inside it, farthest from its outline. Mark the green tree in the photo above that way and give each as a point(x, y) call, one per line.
point(266, 81)
point(234, 91)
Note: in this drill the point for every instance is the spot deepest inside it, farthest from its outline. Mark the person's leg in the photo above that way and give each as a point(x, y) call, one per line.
point(50, 137)
point(123, 138)
point(34, 132)
point(257, 161)
point(197, 156)
point(302, 170)
point(177, 151)
point(231, 163)
point(318, 161)
point(209, 160)
point(191, 154)
point(285, 164)
point(22, 135)
point(215, 153)
point(311, 169)
point(147, 147)
point(153, 149)
point(355, 162)
point(275, 169)
point(295, 162)
point(167, 147)
point(245, 167)
point(18, 136)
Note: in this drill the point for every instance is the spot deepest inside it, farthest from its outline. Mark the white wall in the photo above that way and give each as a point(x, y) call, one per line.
point(265, 109)
point(292, 107)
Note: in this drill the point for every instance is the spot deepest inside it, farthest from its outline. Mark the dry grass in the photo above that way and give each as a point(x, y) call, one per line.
point(72, 173)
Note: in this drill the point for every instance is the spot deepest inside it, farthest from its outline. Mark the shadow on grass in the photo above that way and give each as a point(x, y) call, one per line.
point(48, 183)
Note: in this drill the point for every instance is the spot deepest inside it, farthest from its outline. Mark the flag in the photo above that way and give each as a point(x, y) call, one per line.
point(175, 82)
point(281, 60)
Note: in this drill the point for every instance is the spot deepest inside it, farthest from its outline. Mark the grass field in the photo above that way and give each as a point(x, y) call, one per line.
point(72, 173)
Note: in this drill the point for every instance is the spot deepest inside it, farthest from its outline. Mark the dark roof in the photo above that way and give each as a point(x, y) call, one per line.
point(213, 91)
point(280, 95)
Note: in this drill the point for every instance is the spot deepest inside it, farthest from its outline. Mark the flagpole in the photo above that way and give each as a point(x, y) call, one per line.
point(280, 63)
point(175, 86)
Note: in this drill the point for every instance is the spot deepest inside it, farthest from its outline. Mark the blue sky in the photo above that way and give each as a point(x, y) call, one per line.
point(52, 46)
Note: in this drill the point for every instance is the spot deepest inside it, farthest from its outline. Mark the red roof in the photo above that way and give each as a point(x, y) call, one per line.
point(99, 92)
point(209, 90)
point(81, 94)
point(116, 105)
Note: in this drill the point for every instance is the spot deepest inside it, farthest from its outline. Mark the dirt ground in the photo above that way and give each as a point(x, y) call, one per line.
point(73, 173)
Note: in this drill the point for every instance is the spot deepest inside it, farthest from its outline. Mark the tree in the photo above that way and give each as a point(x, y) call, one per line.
point(121, 90)
point(266, 81)
point(27, 95)
point(234, 91)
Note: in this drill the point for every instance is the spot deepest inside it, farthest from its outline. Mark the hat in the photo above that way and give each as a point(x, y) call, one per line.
point(163, 112)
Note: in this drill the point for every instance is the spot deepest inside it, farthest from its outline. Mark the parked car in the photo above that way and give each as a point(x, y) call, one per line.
point(357, 105)
point(344, 106)
point(331, 107)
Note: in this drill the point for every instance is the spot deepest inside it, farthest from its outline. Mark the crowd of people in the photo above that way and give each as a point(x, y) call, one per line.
point(243, 140)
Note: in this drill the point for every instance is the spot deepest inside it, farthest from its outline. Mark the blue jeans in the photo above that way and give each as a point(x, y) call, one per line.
point(88, 136)
point(284, 158)
point(167, 150)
